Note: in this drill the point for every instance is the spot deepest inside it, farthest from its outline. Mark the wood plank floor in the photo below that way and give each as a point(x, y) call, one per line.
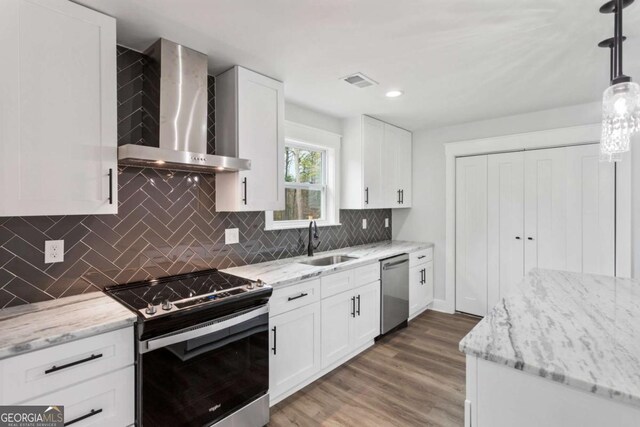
point(415, 377)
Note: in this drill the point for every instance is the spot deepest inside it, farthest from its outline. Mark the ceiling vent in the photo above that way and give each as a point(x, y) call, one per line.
point(359, 80)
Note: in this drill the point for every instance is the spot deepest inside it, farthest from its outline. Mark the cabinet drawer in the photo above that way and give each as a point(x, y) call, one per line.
point(108, 400)
point(294, 296)
point(43, 371)
point(420, 257)
point(336, 283)
point(367, 274)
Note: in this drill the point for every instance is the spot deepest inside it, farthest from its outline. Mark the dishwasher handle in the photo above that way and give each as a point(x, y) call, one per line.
point(393, 265)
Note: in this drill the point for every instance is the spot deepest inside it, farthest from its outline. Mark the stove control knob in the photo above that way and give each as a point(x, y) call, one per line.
point(151, 309)
point(259, 283)
point(166, 305)
point(250, 285)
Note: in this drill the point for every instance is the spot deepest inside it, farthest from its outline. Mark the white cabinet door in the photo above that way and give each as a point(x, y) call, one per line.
point(506, 223)
point(295, 336)
point(250, 112)
point(415, 289)
point(590, 211)
point(471, 235)
point(404, 163)
point(337, 314)
point(545, 214)
point(372, 143)
point(420, 287)
point(366, 323)
point(396, 168)
point(427, 288)
point(58, 122)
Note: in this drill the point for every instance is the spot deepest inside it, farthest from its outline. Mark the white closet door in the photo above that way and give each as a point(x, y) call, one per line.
point(545, 202)
point(590, 211)
point(471, 235)
point(506, 224)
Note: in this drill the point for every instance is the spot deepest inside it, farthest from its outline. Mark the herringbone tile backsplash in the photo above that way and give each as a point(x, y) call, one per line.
point(166, 224)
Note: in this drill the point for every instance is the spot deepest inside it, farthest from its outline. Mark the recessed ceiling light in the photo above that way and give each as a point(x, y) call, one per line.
point(394, 93)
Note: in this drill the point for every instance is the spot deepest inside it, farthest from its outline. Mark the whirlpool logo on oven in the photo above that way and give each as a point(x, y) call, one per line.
point(212, 409)
point(31, 416)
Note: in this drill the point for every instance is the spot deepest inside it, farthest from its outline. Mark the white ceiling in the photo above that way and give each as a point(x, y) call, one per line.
point(457, 60)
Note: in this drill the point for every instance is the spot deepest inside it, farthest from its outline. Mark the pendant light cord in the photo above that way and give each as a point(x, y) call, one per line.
point(618, 39)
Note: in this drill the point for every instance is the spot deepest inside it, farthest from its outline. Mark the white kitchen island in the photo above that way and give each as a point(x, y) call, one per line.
point(562, 350)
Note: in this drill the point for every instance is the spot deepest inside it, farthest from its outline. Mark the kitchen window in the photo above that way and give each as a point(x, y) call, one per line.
point(310, 179)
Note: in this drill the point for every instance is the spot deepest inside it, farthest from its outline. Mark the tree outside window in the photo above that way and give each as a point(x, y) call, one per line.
point(305, 184)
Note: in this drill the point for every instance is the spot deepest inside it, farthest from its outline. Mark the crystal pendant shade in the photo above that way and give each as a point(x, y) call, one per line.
point(620, 119)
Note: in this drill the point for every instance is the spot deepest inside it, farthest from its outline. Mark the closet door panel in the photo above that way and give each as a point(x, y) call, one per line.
point(590, 211)
point(545, 209)
point(506, 224)
point(471, 235)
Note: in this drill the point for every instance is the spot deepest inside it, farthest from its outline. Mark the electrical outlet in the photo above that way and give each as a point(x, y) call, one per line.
point(231, 236)
point(53, 251)
point(386, 223)
point(364, 223)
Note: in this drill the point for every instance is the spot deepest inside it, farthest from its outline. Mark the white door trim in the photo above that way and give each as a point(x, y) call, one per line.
point(575, 135)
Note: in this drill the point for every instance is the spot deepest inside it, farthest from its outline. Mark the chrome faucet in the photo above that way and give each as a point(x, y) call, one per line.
point(313, 235)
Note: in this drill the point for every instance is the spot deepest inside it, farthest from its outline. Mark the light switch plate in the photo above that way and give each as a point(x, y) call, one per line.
point(53, 251)
point(364, 223)
point(386, 223)
point(231, 236)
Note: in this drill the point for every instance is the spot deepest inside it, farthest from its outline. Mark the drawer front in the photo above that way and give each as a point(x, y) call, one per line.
point(420, 257)
point(295, 296)
point(367, 274)
point(108, 400)
point(40, 372)
point(336, 283)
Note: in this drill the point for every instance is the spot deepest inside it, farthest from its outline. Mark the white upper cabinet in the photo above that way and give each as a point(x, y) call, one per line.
point(58, 110)
point(250, 125)
point(376, 165)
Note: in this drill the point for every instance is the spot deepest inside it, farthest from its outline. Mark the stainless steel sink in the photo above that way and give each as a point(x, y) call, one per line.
point(328, 260)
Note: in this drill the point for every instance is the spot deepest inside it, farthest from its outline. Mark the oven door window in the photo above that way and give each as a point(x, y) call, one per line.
point(200, 381)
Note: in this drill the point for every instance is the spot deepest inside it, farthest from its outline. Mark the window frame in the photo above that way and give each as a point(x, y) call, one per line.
point(302, 136)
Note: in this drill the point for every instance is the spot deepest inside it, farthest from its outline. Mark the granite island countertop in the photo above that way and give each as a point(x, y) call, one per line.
point(581, 330)
point(35, 326)
point(289, 271)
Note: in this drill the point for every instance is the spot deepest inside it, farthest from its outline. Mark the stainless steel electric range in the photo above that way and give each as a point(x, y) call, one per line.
point(203, 349)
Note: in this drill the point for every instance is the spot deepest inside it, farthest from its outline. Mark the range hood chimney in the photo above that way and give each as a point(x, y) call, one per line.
point(176, 79)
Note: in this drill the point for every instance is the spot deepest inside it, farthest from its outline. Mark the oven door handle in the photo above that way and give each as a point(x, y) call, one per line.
point(206, 329)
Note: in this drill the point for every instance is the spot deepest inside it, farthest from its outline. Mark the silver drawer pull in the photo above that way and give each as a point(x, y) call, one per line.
point(299, 296)
point(422, 256)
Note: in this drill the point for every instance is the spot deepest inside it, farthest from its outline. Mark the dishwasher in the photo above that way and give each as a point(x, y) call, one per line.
point(395, 293)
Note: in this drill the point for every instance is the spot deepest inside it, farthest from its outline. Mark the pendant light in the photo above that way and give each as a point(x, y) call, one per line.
point(621, 100)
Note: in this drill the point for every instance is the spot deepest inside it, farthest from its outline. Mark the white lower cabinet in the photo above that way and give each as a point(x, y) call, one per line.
point(106, 401)
point(295, 347)
point(366, 323)
point(93, 378)
point(310, 336)
point(349, 321)
point(420, 282)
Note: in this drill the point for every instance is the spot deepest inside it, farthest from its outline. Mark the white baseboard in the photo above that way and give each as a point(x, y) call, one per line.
point(443, 306)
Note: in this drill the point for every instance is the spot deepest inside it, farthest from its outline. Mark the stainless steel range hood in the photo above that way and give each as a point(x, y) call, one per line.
point(176, 92)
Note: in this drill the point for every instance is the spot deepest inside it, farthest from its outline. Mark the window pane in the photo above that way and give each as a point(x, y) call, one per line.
point(300, 204)
point(303, 166)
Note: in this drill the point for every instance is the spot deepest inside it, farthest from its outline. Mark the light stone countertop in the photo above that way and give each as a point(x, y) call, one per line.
point(581, 330)
point(35, 326)
point(289, 271)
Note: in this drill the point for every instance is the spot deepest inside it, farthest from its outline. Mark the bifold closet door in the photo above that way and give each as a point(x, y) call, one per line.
point(505, 224)
point(545, 207)
point(471, 235)
point(590, 211)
